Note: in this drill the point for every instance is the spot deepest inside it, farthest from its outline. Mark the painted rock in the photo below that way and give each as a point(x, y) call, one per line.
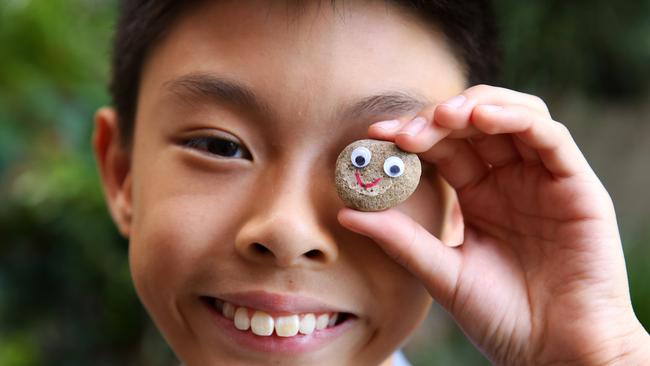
point(373, 175)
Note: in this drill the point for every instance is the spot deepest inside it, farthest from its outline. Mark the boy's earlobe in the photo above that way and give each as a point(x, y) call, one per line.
point(114, 164)
point(122, 215)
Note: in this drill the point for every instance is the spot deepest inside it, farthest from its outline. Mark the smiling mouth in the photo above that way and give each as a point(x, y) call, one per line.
point(277, 324)
point(366, 185)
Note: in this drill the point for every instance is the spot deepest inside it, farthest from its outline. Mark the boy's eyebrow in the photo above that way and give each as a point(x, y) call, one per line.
point(222, 89)
point(393, 102)
point(229, 91)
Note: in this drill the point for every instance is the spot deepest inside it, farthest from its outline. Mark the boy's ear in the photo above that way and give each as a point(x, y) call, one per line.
point(453, 225)
point(114, 163)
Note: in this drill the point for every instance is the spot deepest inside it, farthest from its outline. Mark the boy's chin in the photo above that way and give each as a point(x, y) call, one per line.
point(207, 336)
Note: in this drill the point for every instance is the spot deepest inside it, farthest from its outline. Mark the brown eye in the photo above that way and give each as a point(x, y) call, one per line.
point(218, 146)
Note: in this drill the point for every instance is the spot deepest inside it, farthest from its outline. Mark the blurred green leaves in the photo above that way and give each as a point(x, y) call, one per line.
point(599, 48)
point(65, 290)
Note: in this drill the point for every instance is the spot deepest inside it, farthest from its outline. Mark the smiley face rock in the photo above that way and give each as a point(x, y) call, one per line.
point(373, 175)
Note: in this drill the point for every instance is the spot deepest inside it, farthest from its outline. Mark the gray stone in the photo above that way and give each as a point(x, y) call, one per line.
point(370, 187)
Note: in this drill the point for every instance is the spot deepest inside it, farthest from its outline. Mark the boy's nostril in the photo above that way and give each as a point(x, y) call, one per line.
point(314, 254)
point(259, 248)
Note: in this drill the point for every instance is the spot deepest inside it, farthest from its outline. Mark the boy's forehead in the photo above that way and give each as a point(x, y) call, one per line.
point(362, 59)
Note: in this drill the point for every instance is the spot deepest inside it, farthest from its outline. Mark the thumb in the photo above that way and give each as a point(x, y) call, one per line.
point(410, 245)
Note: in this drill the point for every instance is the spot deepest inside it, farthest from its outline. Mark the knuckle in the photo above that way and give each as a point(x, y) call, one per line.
point(539, 103)
point(526, 115)
point(562, 129)
point(535, 99)
point(478, 89)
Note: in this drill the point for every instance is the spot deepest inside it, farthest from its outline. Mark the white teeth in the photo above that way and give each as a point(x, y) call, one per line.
point(333, 319)
point(242, 322)
point(262, 324)
point(307, 324)
point(287, 326)
point(322, 321)
point(228, 310)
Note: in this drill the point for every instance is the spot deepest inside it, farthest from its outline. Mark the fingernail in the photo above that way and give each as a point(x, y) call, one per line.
point(414, 127)
point(456, 101)
point(387, 125)
point(491, 108)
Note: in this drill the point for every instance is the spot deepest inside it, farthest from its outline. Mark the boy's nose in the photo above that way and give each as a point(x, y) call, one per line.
point(285, 241)
point(291, 225)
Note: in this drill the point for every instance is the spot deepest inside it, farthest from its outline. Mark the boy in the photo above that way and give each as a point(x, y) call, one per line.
point(218, 164)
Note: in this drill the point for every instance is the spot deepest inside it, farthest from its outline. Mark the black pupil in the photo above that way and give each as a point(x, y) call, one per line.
point(394, 169)
point(223, 147)
point(360, 160)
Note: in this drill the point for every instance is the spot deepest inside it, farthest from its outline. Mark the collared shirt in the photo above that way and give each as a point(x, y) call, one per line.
point(399, 359)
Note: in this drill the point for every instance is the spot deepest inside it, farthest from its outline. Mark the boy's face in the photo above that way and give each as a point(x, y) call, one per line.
point(257, 225)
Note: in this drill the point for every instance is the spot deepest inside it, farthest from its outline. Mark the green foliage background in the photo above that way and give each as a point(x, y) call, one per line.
point(65, 291)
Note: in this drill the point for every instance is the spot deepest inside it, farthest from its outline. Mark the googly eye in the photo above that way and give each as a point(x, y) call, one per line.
point(393, 166)
point(361, 157)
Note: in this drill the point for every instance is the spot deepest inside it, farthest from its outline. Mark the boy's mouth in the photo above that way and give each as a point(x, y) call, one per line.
point(266, 323)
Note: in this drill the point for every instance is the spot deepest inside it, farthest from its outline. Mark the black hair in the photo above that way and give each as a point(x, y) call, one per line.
point(468, 25)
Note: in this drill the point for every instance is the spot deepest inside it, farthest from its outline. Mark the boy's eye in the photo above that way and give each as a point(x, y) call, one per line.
point(218, 146)
point(361, 157)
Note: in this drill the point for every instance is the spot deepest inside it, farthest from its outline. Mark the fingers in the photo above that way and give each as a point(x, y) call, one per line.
point(457, 162)
point(455, 113)
point(550, 139)
point(482, 114)
point(496, 150)
point(413, 135)
point(528, 154)
point(410, 245)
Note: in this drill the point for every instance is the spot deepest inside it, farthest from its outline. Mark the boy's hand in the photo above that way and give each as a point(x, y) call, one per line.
point(540, 277)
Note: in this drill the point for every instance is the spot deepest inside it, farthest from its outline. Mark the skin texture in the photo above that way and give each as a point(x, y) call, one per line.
point(539, 277)
point(194, 219)
point(369, 187)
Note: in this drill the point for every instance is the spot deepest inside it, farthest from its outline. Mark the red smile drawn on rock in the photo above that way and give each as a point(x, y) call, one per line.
point(366, 185)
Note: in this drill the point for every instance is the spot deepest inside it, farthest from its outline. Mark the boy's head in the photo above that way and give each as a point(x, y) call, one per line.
point(218, 164)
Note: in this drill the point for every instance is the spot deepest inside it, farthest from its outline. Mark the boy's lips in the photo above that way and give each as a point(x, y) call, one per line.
point(290, 342)
point(274, 303)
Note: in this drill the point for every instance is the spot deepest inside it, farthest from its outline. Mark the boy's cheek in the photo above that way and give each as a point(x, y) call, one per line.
point(171, 237)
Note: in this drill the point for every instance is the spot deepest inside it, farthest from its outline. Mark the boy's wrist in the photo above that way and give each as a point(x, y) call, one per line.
point(632, 350)
point(641, 353)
